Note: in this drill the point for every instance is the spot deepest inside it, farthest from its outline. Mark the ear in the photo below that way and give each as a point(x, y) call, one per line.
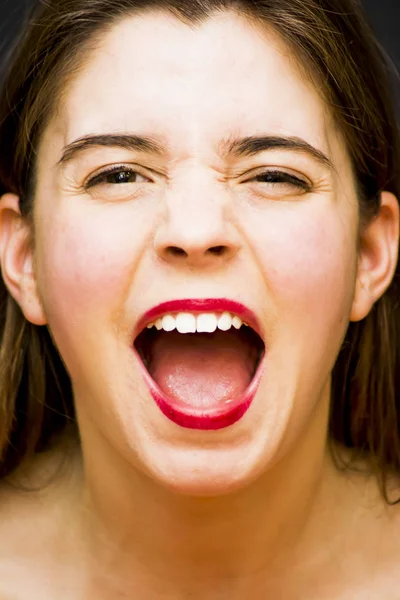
point(16, 259)
point(378, 255)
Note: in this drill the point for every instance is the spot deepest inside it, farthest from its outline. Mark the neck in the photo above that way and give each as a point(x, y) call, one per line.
point(147, 536)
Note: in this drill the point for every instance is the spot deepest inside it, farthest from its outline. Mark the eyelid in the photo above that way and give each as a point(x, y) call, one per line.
point(277, 171)
point(90, 181)
point(293, 179)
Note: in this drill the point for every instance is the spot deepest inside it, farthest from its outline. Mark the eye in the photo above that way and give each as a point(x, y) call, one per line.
point(275, 178)
point(117, 176)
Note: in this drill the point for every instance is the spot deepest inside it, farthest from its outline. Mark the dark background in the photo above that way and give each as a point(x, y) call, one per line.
point(384, 16)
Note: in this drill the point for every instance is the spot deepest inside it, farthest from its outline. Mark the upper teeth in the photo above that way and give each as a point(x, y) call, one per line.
point(186, 322)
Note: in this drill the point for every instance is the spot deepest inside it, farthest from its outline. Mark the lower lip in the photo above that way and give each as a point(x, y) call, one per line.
point(211, 420)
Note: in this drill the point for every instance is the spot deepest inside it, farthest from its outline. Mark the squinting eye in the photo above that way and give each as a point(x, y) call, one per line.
point(116, 176)
point(280, 178)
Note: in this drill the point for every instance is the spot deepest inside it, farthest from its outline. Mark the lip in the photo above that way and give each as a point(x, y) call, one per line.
point(188, 417)
point(199, 305)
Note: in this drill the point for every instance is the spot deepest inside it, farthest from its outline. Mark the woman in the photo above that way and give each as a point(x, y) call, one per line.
point(199, 233)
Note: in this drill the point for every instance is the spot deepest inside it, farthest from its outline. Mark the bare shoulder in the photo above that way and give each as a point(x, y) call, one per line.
point(373, 537)
point(35, 539)
point(355, 551)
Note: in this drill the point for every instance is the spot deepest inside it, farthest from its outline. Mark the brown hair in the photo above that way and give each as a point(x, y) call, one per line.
point(338, 50)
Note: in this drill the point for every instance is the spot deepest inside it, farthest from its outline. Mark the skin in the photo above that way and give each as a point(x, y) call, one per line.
point(150, 508)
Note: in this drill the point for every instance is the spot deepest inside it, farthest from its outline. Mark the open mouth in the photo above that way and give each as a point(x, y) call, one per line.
point(204, 380)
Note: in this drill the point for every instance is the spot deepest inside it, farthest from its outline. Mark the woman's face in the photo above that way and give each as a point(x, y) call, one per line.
point(195, 222)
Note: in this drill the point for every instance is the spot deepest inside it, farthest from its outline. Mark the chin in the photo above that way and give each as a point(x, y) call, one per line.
point(204, 472)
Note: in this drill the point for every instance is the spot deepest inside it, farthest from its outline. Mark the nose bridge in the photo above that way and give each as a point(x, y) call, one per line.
point(200, 206)
point(197, 221)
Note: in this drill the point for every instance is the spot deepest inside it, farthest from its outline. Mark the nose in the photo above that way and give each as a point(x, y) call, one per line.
point(197, 229)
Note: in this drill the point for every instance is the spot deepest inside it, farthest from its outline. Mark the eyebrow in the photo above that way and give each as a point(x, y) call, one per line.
point(252, 145)
point(238, 147)
point(125, 141)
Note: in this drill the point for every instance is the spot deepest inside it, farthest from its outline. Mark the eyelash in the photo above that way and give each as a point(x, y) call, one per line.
point(281, 177)
point(100, 177)
point(274, 176)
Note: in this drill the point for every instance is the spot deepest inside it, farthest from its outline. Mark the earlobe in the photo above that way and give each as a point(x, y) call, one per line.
point(16, 259)
point(378, 256)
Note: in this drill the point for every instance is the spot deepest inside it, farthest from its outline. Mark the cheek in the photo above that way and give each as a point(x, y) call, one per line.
point(86, 264)
point(309, 260)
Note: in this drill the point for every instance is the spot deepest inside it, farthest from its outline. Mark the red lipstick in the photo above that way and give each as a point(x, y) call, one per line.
point(199, 418)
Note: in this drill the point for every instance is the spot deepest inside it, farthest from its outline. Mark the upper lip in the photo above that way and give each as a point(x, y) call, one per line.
point(200, 305)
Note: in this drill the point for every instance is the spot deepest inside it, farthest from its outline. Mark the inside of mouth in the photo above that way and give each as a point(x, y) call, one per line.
point(202, 370)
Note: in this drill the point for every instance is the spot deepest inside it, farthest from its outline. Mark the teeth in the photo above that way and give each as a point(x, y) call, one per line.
point(207, 323)
point(168, 323)
point(236, 322)
point(225, 321)
point(186, 322)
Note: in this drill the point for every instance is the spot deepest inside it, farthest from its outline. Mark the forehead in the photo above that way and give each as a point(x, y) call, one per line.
point(154, 74)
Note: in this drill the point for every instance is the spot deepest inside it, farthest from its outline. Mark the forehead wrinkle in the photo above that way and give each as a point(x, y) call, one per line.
point(272, 36)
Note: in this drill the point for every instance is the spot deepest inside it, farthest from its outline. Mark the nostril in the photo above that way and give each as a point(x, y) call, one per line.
point(217, 250)
point(214, 250)
point(176, 251)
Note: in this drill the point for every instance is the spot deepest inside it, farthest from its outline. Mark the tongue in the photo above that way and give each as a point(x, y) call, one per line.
point(202, 370)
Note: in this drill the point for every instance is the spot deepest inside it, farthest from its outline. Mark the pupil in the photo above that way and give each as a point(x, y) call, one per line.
point(122, 177)
point(268, 177)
